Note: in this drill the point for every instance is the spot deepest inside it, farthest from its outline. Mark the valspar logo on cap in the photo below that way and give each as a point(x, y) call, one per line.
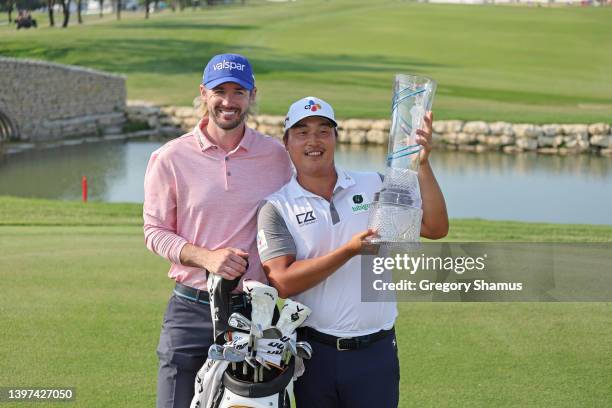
point(312, 106)
point(228, 65)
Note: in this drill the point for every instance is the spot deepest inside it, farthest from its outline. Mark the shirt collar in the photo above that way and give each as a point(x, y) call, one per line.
point(205, 143)
point(343, 182)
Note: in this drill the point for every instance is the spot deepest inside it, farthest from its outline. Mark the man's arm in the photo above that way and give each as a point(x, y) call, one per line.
point(435, 216)
point(277, 251)
point(160, 227)
point(291, 277)
point(230, 263)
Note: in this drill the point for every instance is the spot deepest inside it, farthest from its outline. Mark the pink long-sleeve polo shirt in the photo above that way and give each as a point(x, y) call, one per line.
point(195, 192)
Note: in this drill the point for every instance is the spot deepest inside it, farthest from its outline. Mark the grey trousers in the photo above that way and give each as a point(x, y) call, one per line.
point(186, 335)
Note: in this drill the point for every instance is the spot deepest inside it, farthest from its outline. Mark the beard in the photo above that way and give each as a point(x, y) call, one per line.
point(225, 125)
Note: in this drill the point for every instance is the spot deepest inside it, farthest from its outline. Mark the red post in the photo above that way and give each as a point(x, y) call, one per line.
point(84, 188)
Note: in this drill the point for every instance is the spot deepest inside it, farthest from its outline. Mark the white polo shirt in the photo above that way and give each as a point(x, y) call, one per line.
point(294, 221)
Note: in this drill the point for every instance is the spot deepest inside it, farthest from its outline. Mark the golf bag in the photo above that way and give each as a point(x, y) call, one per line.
point(276, 393)
point(265, 359)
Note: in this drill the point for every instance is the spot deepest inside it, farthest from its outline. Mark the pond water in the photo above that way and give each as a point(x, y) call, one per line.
point(528, 187)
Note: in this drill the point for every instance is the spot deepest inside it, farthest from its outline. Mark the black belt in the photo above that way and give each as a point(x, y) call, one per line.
point(343, 343)
point(238, 300)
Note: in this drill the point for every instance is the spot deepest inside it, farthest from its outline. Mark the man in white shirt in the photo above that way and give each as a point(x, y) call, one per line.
point(309, 235)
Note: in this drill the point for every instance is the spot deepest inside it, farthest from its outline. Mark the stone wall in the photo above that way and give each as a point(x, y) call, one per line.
point(45, 101)
point(449, 134)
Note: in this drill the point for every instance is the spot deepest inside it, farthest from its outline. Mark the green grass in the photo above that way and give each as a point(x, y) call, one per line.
point(81, 304)
point(493, 63)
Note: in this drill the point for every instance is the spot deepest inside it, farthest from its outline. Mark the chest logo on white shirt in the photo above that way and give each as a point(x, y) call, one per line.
point(357, 203)
point(306, 218)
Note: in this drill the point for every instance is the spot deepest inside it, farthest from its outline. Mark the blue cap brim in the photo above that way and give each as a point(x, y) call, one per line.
point(219, 81)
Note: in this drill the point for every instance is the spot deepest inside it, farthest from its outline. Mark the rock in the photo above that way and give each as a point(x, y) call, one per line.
point(184, 112)
point(357, 124)
point(477, 127)
point(170, 131)
point(113, 130)
point(507, 140)
point(448, 126)
point(275, 131)
point(383, 125)
point(527, 130)
point(493, 141)
point(357, 136)
point(501, 128)
point(465, 138)
point(552, 129)
point(467, 148)
point(512, 149)
point(153, 122)
point(168, 110)
point(576, 130)
point(450, 138)
point(546, 141)
point(548, 150)
point(527, 144)
point(343, 136)
point(190, 122)
point(481, 148)
point(606, 152)
point(599, 129)
point(601, 140)
point(169, 121)
point(268, 120)
point(377, 136)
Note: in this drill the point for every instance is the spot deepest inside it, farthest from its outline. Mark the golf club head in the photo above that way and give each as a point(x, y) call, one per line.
point(292, 316)
point(304, 349)
point(233, 355)
point(215, 352)
point(291, 346)
point(239, 322)
point(272, 333)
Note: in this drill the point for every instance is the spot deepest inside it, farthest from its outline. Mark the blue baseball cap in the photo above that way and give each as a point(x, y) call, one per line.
point(224, 68)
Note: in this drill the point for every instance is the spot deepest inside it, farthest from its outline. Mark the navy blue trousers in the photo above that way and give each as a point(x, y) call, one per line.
point(363, 378)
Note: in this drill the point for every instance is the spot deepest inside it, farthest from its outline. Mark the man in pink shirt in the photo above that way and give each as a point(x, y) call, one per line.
point(201, 196)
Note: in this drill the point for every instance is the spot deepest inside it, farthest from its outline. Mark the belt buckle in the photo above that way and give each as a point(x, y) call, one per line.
point(340, 348)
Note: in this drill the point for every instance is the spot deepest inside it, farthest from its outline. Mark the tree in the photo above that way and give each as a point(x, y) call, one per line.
point(50, 4)
point(9, 8)
point(118, 9)
point(101, 7)
point(66, 11)
point(79, 6)
point(147, 5)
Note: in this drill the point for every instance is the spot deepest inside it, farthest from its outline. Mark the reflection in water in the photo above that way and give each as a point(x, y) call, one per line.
point(572, 189)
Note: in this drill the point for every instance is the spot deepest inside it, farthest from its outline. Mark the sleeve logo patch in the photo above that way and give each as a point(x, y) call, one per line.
point(262, 242)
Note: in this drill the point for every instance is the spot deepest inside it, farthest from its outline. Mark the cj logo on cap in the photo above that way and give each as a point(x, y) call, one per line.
point(312, 106)
point(228, 65)
point(358, 199)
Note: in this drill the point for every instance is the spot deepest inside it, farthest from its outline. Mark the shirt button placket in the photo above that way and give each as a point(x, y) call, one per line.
point(227, 173)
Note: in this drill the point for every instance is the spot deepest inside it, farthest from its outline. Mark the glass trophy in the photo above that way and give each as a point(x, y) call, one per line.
point(396, 210)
